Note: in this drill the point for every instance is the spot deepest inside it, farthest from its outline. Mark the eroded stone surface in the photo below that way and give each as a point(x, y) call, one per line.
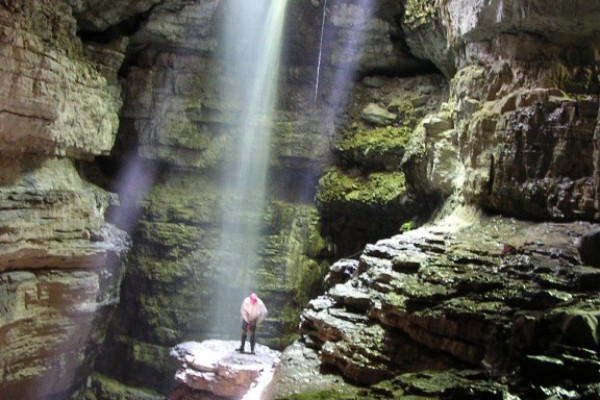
point(60, 261)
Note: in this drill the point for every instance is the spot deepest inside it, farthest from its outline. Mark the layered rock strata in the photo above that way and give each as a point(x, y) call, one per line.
point(60, 261)
point(178, 118)
point(52, 95)
point(504, 297)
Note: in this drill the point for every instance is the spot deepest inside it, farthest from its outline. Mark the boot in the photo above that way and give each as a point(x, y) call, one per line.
point(243, 344)
point(252, 343)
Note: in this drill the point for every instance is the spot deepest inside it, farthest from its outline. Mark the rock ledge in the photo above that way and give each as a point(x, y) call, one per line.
point(215, 366)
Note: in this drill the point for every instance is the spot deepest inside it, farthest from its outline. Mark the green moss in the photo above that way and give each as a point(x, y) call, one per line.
point(375, 146)
point(289, 267)
point(308, 281)
point(103, 387)
point(159, 270)
point(407, 226)
point(187, 198)
point(380, 148)
point(376, 188)
point(171, 235)
point(419, 12)
point(404, 107)
point(153, 356)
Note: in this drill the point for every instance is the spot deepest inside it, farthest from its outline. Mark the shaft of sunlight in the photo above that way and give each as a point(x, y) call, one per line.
point(253, 31)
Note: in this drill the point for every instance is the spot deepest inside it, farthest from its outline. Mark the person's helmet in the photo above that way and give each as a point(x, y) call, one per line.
point(253, 297)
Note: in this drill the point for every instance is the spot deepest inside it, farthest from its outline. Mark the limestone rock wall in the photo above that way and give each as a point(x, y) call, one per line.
point(524, 100)
point(60, 263)
point(52, 95)
point(98, 16)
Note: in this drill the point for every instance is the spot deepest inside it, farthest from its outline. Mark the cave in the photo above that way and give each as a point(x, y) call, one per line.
point(411, 187)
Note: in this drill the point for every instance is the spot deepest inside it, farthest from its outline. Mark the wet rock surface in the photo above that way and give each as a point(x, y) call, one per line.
point(215, 367)
point(300, 374)
point(505, 298)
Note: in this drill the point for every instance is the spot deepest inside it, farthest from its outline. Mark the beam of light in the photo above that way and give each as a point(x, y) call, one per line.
point(252, 41)
point(352, 39)
point(330, 97)
point(133, 182)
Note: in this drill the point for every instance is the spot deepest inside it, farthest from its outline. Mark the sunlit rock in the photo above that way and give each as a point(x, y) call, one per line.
point(51, 218)
point(215, 366)
point(60, 271)
point(377, 115)
point(509, 123)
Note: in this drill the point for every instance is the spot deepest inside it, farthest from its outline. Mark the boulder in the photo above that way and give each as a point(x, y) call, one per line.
point(378, 115)
point(215, 366)
point(588, 248)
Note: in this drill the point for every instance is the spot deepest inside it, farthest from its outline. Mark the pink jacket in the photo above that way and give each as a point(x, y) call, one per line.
point(253, 311)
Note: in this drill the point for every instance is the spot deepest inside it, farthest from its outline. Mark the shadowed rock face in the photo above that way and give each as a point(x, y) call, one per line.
point(522, 101)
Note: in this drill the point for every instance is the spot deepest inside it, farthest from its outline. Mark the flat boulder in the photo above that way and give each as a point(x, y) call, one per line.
point(216, 366)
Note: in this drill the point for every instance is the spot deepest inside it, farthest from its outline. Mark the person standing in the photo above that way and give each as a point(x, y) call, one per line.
point(253, 312)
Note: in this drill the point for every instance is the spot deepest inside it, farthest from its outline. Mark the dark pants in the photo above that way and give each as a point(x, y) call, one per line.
point(248, 327)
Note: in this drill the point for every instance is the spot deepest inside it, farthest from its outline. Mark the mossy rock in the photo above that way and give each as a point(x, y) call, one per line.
point(419, 12)
point(357, 209)
point(170, 234)
point(327, 394)
point(378, 188)
point(408, 109)
point(449, 384)
point(374, 149)
point(160, 271)
point(290, 270)
point(103, 387)
point(188, 198)
point(381, 148)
